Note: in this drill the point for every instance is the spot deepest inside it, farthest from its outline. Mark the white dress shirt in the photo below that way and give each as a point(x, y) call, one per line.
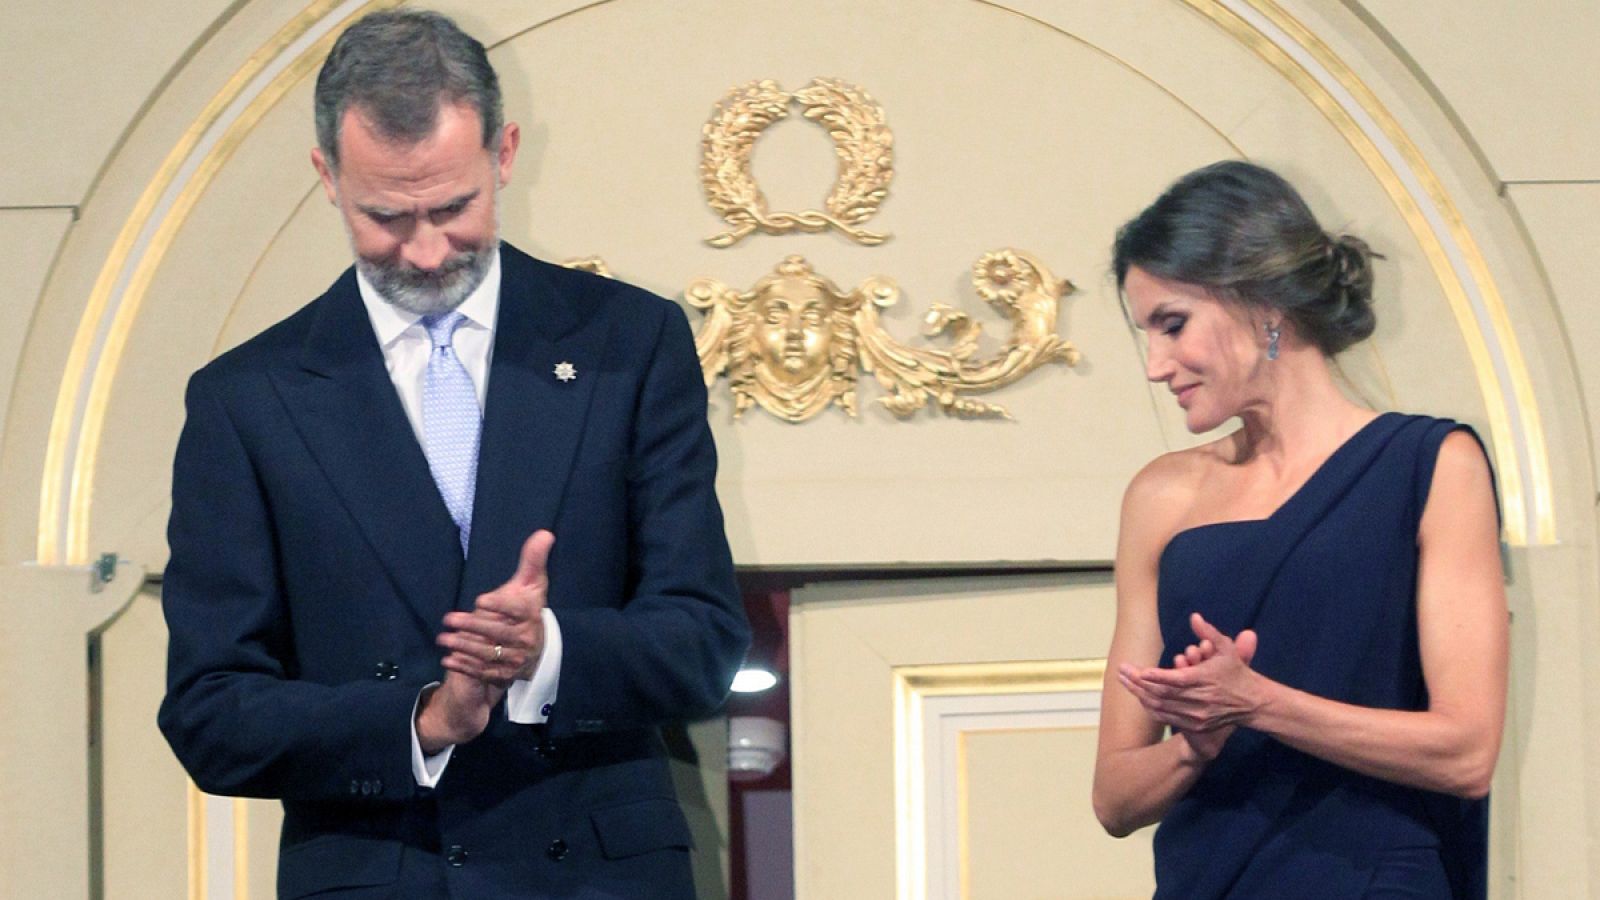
point(406, 348)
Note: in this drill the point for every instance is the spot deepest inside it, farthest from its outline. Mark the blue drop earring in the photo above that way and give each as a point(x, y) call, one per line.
point(1272, 341)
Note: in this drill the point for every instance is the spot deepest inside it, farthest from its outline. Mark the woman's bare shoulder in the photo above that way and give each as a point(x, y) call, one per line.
point(1162, 494)
point(1174, 477)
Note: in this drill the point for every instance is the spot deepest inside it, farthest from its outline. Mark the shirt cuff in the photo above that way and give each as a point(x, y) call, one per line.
point(528, 702)
point(427, 770)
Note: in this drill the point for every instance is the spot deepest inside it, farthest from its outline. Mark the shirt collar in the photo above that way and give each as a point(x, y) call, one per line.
point(481, 307)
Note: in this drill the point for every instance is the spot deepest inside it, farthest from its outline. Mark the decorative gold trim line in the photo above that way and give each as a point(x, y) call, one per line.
point(241, 849)
point(182, 177)
point(967, 679)
point(912, 685)
point(197, 841)
point(66, 495)
point(963, 817)
point(911, 861)
point(1477, 299)
point(1516, 429)
point(88, 445)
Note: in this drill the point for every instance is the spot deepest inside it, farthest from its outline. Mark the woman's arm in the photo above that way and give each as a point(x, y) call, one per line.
point(1137, 775)
point(1463, 635)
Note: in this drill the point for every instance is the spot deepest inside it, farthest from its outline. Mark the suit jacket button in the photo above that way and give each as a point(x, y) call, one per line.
point(456, 855)
point(557, 850)
point(386, 670)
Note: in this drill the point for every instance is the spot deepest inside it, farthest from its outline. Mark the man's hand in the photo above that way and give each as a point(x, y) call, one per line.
point(454, 712)
point(500, 640)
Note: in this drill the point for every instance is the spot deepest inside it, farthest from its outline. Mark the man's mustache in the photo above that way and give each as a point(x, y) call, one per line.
point(415, 277)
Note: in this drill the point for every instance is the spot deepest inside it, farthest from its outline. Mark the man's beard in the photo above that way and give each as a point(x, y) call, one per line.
point(426, 293)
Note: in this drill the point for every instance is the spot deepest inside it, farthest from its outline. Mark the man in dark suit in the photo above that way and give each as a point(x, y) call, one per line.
point(445, 546)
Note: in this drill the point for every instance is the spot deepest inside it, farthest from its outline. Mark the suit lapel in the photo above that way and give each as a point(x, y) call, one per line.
point(533, 420)
point(345, 406)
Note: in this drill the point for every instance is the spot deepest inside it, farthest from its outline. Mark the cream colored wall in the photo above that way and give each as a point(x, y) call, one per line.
point(1517, 83)
point(1035, 123)
point(47, 827)
point(1517, 77)
point(64, 115)
point(850, 641)
point(34, 235)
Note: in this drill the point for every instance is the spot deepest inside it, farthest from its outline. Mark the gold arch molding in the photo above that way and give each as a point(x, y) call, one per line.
point(218, 833)
point(1522, 459)
point(66, 489)
point(66, 492)
point(93, 362)
point(1522, 462)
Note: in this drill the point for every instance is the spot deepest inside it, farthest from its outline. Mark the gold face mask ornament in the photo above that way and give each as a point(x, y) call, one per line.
point(795, 343)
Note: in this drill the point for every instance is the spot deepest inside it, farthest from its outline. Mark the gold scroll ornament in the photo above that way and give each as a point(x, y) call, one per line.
point(861, 140)
point(795, 343)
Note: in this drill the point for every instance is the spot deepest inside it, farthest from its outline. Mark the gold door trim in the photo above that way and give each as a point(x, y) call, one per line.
point(912, 686)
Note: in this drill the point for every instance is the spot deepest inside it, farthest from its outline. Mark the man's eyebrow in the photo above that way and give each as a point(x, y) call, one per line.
point(457, 202)
point(391, 213)
point(380, 211)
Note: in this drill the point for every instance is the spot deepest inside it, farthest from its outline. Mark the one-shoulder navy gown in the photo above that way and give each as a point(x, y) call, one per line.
point(1328, 582)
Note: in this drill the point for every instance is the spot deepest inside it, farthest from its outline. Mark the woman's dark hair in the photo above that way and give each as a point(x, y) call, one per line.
point(1244, 234)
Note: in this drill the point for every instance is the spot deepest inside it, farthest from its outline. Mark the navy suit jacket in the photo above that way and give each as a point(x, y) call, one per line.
point(312, 560)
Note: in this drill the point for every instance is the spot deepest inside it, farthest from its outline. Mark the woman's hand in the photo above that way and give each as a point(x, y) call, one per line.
point(1206, 745)
point(1210, 690)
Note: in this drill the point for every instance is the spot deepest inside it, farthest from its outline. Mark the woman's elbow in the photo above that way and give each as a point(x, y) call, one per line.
point(1473, 780)
point(1112, 817)
point(1472, 772)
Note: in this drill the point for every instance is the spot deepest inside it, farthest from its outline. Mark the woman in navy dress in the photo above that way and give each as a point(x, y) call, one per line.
point(1307, 681)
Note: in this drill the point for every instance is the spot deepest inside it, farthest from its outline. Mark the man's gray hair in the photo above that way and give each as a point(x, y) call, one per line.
point(397, 66)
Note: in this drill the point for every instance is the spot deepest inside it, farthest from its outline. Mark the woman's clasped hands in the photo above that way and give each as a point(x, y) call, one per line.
point(1210, 690)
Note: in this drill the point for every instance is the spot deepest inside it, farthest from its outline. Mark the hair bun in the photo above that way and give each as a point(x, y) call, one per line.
point(1346, 314)
point(1352, 262)
point(1245, 235)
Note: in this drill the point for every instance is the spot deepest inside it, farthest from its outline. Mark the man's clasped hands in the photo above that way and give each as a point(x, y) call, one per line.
point(497, 642)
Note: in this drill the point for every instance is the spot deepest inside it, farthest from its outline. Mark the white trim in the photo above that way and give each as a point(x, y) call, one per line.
point(158, 215)
point(1437, 222)
point(945, 720)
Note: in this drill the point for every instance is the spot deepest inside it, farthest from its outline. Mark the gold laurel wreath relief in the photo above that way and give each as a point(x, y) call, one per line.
point(795, 343)
point(861, 140)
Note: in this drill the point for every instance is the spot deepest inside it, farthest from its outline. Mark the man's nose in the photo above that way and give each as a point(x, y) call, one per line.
point(426, 249)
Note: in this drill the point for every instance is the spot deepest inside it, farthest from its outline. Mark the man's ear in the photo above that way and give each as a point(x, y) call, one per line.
point(510, 139)
point(325, 172)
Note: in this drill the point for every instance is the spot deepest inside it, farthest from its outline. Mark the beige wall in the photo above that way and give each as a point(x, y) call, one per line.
point(1038, 124)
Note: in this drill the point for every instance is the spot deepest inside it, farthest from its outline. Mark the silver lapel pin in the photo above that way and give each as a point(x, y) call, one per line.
point(566, 371)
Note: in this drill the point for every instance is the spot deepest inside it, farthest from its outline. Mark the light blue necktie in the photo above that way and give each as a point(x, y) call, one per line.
point(451, 422)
